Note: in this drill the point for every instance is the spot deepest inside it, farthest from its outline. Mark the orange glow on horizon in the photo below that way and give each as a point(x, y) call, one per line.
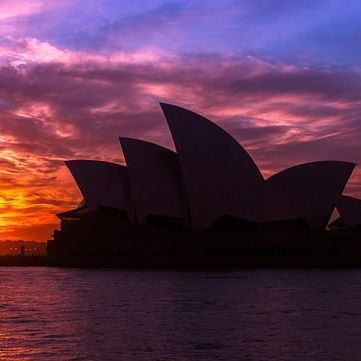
point(28, 208)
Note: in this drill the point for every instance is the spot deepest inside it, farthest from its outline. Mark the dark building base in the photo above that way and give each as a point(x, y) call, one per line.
point(107, 238)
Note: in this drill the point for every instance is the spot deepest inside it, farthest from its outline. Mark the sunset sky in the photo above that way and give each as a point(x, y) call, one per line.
point(283, 77)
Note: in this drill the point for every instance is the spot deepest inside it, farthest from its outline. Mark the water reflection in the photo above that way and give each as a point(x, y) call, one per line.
point(60, 314)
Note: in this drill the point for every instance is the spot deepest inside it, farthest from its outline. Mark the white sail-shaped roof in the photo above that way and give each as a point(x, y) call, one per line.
point(314, 188)
point(220, 178)
point(154, 176)
point(102, 184)
point(350, 210)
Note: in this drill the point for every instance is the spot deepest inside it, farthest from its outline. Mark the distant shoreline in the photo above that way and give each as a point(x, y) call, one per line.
point(229, 262)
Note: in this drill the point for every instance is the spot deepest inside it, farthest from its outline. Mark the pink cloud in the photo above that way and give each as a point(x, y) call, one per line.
point(12, 9)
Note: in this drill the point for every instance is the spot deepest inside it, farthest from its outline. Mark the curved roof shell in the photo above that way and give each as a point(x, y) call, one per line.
point(154, 176)
point(313, 188)
point(350, 210)
point(277, 206)
point(102, 184)
point(220, 178)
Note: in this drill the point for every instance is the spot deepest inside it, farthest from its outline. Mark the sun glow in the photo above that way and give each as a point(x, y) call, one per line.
point(11, 201)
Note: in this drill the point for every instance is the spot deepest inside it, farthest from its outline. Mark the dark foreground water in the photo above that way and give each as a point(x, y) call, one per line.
point(68, 314)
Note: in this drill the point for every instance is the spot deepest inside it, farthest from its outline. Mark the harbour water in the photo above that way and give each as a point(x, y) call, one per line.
point(86, 314)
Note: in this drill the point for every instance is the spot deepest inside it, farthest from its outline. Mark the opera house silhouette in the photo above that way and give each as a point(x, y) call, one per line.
point(208, 197)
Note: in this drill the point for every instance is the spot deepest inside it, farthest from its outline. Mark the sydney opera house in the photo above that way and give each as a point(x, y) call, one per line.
point(208, 196)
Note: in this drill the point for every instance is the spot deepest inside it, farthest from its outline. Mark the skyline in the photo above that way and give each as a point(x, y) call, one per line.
point(282, 79)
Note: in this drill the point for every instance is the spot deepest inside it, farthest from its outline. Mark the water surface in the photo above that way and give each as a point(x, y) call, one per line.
point(70, 314)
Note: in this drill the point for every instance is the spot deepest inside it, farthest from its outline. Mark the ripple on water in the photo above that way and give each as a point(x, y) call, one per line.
point(254, 315)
